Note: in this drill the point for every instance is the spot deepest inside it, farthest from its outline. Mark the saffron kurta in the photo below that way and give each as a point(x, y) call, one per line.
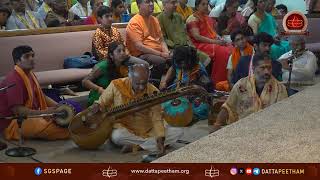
point(145, 123)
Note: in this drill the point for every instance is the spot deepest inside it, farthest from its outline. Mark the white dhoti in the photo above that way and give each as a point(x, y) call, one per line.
point(121, 137)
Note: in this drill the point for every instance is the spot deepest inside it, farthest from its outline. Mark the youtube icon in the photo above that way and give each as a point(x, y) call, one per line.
point(249, 171)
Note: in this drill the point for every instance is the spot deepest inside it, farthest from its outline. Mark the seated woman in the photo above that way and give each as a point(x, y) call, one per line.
point(119, 12)
point(229, 19)
point(203, 36)
point(261, 21)
point(94, 4)
point(106, 70)
point(187, 70)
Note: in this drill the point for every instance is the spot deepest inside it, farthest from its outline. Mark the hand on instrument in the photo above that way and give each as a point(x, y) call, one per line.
point(95, 108)
point(163, 85)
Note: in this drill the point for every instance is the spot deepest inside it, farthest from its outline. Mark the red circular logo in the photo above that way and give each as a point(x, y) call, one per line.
point(295, 21)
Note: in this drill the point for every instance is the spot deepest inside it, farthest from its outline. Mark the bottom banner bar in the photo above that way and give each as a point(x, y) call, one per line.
point(151, 171)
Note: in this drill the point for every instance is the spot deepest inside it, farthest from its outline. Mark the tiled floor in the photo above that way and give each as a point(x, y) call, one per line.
point(66, 151)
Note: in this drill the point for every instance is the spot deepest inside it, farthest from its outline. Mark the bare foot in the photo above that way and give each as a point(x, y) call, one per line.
point(130, 148)
point(68, 91)
point(126, 149)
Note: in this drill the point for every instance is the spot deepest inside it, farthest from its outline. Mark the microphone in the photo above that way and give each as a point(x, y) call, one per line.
point(7, 87)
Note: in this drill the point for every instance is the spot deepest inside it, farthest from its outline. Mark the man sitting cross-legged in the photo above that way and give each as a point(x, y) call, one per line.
point(144, 38)
point(26, 98)
point(143, 129)
point(253, 93)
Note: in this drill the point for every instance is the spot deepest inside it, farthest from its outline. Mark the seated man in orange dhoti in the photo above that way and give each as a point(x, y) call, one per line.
point(26, 98)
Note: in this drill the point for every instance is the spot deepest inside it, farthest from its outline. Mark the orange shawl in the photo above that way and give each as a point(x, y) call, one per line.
point(205, 19)
point(236, 54)
point(27, 83)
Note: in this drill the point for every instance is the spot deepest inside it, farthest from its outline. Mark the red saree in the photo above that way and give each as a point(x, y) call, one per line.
point(218, 54)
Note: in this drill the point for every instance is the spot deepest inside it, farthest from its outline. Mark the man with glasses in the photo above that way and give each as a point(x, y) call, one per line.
point(22, 18)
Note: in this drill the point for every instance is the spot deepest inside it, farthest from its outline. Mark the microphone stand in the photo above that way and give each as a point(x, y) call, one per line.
point(20, 151)
point(290, 72)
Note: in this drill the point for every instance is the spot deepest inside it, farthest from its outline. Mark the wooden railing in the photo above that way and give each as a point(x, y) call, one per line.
point(53, 30)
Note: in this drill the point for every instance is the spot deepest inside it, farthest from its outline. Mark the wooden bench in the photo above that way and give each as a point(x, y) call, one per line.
point(51, 46)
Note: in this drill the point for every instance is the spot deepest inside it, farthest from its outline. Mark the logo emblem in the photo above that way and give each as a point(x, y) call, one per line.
point(211, 172)
point(256, 171)
point(233, 171)
point(109, 172)
point(295, 22)
point(38, 171)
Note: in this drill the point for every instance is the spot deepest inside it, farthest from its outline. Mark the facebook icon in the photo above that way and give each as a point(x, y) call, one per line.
point(38, 171)
point(256, 171)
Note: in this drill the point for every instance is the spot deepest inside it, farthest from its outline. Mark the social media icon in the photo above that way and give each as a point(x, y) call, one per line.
point(241, 171)
point(256, 171)
point(233, 171)
point(249, 171)
point(38, 171)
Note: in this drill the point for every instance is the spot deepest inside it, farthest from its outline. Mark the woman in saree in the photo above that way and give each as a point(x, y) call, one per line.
point(106, 70)
point(200, 29)
point(229, 19)
point(261, 21)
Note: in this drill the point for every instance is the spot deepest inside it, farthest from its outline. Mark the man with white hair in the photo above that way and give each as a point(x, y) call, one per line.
point(144, 129)
point(304, 62)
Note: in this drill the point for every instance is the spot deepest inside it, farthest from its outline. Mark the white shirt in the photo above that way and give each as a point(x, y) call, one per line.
point(78, 10)
point(303, 68)
point(216, 11)
point(217, 2)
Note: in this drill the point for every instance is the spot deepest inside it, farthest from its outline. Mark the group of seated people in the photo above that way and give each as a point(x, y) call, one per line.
point(172, 51)
point(34, 14)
